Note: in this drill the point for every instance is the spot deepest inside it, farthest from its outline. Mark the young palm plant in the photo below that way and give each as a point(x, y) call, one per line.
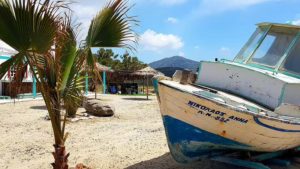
point(43, 35)
point(45, 41)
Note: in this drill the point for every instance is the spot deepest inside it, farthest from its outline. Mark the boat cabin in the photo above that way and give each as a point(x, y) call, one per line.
point(265, 71)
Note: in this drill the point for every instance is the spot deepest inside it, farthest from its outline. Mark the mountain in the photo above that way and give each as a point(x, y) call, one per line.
point(176, 61)
point(168, 66)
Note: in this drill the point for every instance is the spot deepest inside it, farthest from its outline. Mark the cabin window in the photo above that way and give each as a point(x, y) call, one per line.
point(250, 46)
point(273, 47)
point(292, 62)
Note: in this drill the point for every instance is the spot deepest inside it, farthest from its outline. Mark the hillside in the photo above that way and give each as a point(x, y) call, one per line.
point(169, 65)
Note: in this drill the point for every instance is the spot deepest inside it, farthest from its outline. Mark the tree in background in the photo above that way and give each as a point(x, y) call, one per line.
point(119, 62)
point(108, 58)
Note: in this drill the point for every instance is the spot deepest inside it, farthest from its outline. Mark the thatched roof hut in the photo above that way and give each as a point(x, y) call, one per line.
point(147, 71)
point(103, 68)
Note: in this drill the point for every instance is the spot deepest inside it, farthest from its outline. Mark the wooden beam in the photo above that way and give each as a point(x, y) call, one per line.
point(267, 156)
point(240, 163)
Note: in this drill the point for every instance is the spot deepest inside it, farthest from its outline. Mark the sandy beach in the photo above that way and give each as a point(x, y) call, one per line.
point(134, 138)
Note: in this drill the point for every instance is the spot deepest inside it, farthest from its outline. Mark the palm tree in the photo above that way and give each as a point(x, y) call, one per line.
point(42, 33)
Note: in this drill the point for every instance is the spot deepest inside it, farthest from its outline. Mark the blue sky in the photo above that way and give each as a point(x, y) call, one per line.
point(195, 29)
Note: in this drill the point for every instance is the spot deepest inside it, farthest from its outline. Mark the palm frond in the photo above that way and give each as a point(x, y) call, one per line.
point(29, 25)
point(112, 27)
point(68, 52)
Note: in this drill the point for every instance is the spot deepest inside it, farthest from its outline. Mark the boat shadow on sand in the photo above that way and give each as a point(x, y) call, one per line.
point(167, 162)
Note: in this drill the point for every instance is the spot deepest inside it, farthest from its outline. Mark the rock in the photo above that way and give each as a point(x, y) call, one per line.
point(98, 108)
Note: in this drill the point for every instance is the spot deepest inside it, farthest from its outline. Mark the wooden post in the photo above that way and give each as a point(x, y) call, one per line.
point(144, 85)
point(147, 87)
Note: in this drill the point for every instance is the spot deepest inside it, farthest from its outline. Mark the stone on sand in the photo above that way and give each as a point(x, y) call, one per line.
point(98, 108)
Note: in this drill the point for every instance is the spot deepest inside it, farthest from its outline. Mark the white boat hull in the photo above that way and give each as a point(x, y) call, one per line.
point(197, 127)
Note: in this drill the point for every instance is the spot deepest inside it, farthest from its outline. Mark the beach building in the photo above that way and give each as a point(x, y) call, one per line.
point(131, 82)
point(6, 88)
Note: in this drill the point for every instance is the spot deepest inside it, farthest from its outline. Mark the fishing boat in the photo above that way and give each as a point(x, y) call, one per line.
point(250, 104)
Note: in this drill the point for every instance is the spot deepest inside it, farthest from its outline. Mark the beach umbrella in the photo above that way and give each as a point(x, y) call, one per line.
point(103, 68)
point(146, 72)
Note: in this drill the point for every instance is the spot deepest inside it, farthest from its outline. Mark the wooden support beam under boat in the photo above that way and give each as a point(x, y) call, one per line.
point(280, 162)
point(256, 162)
point(268, 156)
point(240, 163)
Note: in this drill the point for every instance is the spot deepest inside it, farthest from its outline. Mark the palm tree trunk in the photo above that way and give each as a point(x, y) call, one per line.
point(59, 154)
point(60, 157)
point(144, 85)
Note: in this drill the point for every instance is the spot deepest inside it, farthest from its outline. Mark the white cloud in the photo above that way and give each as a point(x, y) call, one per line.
point(171, 2)
point(84, 13)
point(208, 7)
point(172, 20)
point(153, 41)
point(159, 2)
point(224, 51)
point(295, 22)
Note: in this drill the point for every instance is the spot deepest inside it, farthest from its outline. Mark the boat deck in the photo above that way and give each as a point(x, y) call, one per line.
point(233, 101)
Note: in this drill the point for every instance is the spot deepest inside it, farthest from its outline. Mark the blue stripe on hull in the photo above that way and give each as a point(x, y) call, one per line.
point(188, 143)
point(275, 128)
